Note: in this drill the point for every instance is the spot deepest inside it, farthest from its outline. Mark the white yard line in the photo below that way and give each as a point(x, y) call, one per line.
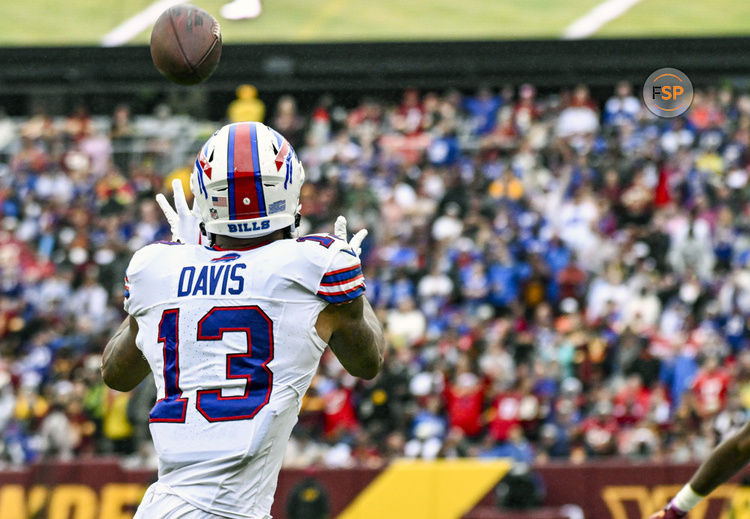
point(137, 23)
point(595, 19)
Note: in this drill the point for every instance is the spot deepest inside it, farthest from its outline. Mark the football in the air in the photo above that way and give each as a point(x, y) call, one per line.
point(186, 44)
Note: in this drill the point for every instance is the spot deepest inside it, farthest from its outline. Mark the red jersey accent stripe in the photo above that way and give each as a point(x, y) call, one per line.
point(345, 282)
point(341, 271)
point(341, 293)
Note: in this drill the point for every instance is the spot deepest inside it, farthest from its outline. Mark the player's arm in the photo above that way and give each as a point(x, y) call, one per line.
point(723, 463)
point(354, 335)
point(123, 364)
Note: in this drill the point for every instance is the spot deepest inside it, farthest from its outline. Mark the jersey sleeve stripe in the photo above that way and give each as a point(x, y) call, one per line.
point(343, 270)
point(343, 298)
point(341, 289)
point(337, 283)
point(341, 276)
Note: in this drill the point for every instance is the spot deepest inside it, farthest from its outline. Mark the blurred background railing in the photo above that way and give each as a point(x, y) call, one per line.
point(63, 76)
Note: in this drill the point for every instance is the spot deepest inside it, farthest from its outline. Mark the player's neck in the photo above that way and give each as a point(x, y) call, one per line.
point(229, 243)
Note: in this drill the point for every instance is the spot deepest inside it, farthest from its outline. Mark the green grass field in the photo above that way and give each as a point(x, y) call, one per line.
point(75, 22)
point(674, 19)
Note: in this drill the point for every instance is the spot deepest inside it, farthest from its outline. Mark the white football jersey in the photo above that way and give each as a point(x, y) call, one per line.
point(230, 337)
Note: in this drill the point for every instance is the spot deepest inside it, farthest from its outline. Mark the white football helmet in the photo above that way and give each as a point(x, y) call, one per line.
point(246, 181)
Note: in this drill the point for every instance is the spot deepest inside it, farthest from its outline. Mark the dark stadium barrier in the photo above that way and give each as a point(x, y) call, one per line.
point(104, 76)
point(101, 489)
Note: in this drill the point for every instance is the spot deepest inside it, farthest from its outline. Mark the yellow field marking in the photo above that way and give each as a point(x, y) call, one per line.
point(443, 489)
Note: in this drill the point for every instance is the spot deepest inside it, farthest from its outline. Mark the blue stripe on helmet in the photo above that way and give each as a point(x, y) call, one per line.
point(201, 184)
point(256, 172)
point(230, 172)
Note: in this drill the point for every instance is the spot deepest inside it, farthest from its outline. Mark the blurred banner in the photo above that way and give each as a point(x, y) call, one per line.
point(101, 489)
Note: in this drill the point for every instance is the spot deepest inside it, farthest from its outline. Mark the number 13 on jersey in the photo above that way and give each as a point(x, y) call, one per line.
point(251, 365)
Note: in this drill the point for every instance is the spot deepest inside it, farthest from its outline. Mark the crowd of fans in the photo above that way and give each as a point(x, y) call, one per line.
point(559, 277)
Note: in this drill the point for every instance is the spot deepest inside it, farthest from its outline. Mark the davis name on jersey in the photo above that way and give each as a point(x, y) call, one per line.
point(211, 279)
point(230, 337)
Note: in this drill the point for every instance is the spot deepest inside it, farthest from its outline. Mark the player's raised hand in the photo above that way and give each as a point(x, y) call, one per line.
point(339, 229)
point(669, 512)
point(184, 223)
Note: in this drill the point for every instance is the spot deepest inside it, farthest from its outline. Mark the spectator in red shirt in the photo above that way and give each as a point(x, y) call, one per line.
point(339, 413)
point(464, 397)
point(710, 387)
point(632, 401)
point(408, 117)
point(600, 431)
point(505, 414)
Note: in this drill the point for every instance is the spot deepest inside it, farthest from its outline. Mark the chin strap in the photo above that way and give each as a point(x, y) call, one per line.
point(210, 238)
point(295, 228)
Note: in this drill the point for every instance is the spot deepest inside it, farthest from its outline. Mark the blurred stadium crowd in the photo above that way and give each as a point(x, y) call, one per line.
point(560, 277)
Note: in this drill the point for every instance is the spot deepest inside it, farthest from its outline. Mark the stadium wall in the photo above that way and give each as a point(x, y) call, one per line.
point(105, 76)
point(102, 489)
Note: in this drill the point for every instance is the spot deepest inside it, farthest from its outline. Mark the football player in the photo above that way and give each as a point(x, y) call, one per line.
point(233, 328)
point(723, 463)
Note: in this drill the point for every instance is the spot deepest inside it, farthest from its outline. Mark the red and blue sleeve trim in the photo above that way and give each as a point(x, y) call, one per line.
point(344, 296)
point(342, 285)
point(341, 276)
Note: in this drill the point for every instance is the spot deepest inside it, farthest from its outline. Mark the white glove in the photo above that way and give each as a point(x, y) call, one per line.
point(339, 229)
point(185, 224)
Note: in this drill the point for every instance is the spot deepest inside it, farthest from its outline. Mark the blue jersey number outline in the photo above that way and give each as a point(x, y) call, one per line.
point(325, 241)
point(172, 407)
point(252, 365)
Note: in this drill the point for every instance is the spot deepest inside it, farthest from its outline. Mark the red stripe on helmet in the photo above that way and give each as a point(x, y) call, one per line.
point(244, 175)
